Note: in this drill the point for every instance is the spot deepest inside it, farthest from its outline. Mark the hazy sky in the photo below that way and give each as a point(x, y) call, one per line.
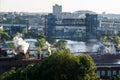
point(99, 6)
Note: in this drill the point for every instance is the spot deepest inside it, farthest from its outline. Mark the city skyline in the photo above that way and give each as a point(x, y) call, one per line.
point(98, 6)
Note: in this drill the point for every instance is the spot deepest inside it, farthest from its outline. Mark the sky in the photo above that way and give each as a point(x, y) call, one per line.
point(98, 6)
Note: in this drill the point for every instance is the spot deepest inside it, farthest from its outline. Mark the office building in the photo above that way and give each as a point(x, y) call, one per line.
point(57, 9)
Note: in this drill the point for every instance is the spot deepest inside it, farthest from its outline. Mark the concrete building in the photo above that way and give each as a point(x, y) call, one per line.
point(91, 25)
point(50, 26)
point(71, 28)
point(109, 26)
point(57, 9)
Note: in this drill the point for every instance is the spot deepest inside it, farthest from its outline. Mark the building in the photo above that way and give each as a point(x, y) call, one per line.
point(109, 26)
point(50, 26)
point(71, 28)
point(57, 9)
point(91, 25)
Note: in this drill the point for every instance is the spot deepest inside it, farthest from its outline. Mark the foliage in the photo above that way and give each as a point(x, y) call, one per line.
point(61, 44)
point(116, 77)
point(40, 34)
point(117, 41)
point(4, 36)
point(62, 65)
point(1, 30)
point(11, 45)
point(40, 42)
point(104, 40)
point(39, 50)
point(25, 31)
point(13, 74)
point(7, 74)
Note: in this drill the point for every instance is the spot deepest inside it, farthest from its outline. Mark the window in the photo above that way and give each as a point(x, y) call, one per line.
point(109, 72)
point(114, 72)
point(103, 73)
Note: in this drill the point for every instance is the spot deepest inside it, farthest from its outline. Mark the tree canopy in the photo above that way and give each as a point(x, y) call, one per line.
point(11, 45)
point(60, 66)
point(117, 41)
point(61, 44)
point(116, 77)
point(4, 35)
point(41, 42)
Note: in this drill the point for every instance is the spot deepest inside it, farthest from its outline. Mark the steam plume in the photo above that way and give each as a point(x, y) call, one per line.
point(20, 44)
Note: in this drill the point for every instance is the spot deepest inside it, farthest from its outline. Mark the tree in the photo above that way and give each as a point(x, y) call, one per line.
point(117, 41)
point(39, 52)
point(13, 74)
point(41, 42)
point(116, 77)
point(40, 34)
point(11, 45)
point(104, 40)
point(64, 66)
point(60, 66)
point(4, 35)
point(25, 31)
point(61, 44)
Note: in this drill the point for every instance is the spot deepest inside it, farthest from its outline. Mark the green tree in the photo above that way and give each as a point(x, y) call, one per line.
point(60, 66)
point(40, 42)
point(13, 74)
point(116, 77)
point(104, 40)
point(117, 41)
point(40, 34)
point(1, 30)
point(64, 66)
point(11, 45)
point(61, 44)
point(4, 36)
point(24, 31)
point(39, 51)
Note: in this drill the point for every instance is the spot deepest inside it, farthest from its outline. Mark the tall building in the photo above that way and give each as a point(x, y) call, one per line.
point(57, 9)
point(91, 25)
point(50, 26)
point(70, 28)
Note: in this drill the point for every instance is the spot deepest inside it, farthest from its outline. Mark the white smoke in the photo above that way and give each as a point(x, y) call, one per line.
point(19, 42)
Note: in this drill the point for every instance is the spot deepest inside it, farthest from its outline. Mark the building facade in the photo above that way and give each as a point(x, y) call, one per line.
point(57, 9)
point(71, 28)
point(109, 26)
point(91, 25)
point(50, 26)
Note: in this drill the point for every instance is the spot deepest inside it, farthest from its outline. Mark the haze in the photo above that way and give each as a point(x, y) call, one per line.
point(99, 6)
